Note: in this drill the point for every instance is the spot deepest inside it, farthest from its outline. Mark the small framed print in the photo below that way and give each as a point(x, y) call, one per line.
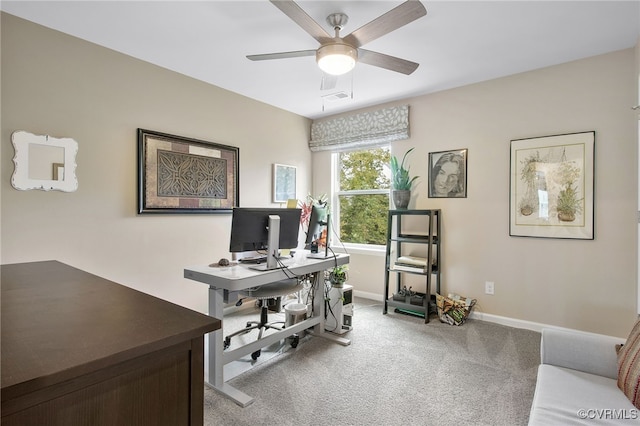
point(284, 183)
point(551, 186)
point(448, 174)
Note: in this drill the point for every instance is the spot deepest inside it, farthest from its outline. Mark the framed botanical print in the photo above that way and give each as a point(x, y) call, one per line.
point(551, 186)
point(448, 174)
point(284, 183)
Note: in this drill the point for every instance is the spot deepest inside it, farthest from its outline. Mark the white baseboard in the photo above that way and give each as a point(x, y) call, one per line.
point(365, 295)
point(529, 325)
point(497, 319)
point(511, 322)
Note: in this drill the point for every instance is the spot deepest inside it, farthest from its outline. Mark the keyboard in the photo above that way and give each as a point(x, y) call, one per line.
point(253, 259)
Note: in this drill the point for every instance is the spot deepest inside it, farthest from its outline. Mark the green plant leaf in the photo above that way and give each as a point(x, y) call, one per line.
point(400, 175)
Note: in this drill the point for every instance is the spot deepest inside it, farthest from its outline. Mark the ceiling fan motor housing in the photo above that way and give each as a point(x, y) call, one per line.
point(337, 21)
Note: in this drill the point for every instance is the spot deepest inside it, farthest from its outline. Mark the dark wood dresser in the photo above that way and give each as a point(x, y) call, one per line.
point(78, 349)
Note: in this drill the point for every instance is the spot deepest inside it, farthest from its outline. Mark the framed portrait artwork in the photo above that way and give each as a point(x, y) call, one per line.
point(284, 183)
point(448, 174)
point(551, 186)
point(182, 175)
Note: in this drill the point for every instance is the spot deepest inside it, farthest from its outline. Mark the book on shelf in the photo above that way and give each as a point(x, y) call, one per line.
point(408, 268)
point(412, 264)
point(412, 261)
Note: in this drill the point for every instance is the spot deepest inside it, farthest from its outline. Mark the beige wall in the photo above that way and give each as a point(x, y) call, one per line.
point(1, 161)
point(637, 103)
point(587, 285)
point(58, 85)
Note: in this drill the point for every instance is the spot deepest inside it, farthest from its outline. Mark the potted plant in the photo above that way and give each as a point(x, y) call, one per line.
point(529, 203)
point(568, 203)
point(338, 275)
point(306, 208)
point(401, 181)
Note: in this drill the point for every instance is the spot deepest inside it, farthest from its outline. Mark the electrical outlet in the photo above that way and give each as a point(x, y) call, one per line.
point(489, 287)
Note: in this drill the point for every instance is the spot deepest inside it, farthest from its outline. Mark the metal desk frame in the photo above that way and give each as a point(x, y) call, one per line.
point(224, 286)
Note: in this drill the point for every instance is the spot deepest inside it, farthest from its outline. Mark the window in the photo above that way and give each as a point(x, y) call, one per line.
point(360, 197)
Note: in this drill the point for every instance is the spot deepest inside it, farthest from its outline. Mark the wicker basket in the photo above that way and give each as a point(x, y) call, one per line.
point(454, 309)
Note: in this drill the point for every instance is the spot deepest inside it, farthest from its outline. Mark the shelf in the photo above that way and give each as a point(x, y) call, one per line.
point(400, 241)
point(399, 271)
point(416, 239)
point(405, 306)
point(414, 212)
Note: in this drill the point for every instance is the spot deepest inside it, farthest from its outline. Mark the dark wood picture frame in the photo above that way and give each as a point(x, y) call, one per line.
point(452, 167)
point(183, 175)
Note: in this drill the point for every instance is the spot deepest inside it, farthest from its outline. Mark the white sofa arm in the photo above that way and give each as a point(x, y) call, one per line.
point(588, 352)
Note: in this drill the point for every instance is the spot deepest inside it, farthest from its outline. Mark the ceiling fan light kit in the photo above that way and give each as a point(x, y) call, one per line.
point(336, 58)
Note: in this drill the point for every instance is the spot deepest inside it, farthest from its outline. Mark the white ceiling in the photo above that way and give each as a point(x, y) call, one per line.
point(457, 43)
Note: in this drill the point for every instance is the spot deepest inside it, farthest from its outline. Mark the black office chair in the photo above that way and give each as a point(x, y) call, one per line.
point(265, 294)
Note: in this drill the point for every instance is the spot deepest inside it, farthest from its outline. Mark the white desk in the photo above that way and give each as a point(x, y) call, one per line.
point(224, 285)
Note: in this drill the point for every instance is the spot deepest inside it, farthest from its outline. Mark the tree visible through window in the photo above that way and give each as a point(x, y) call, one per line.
point(363, 183)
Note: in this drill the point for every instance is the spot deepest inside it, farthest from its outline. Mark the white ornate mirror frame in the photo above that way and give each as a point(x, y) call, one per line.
point(43, 162)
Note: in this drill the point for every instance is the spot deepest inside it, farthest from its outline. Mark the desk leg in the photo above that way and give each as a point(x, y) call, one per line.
point(215, 377)
point(318, 309)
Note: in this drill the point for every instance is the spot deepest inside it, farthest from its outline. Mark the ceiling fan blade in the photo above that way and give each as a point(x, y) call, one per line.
point(300, 17)
point(398, 17)
point(387, 62)
point(281, 55)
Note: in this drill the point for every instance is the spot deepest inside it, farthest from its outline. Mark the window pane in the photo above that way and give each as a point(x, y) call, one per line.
point(363, 218)
point(367, 169)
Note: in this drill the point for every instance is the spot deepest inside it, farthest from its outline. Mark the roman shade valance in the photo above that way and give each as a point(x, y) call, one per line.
point(361, 130)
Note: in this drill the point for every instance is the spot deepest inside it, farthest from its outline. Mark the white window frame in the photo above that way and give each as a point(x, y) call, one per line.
point(355, 248)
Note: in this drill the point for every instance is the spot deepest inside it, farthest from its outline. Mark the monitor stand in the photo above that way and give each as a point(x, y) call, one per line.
point(273, 249)
point(319, 255)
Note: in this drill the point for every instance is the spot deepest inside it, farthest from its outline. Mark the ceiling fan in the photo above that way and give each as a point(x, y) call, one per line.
point(338, 55)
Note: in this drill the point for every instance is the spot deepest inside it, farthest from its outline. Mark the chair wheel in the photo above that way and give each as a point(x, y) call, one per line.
point(248, 325)
point(255, 355)
point(295, 341)
point(227, 342)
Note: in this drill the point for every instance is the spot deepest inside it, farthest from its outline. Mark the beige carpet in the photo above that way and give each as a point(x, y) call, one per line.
point(397, 371)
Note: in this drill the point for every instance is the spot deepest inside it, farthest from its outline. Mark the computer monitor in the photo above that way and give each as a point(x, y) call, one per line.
point(264, 229)
point(318, 230)
point(317, 222)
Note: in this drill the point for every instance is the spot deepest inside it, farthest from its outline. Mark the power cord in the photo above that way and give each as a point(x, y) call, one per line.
point(328, 310)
